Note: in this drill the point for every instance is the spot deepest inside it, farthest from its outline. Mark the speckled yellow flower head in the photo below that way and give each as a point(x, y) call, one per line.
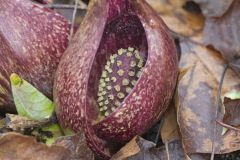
point(118, 78)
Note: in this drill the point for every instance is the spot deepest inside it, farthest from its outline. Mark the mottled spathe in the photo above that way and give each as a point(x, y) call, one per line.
point(32, 40)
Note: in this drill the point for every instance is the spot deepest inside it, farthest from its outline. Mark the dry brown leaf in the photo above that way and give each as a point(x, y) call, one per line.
point(198, 156)
point(185, 23)
point(223, 33)
point(230, 141)
point(140, 149)
point(176, 18)
point(232, 111)
point(131, 149)
point(166, 6)
point(19, 147)
point(77, 146)
point(20, 123)
point(169, 130)
point(161, 6)
point(214, 8)
point(198, 92)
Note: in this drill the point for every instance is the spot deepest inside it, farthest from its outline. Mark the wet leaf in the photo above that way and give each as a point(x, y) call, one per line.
point(17, 146)
point(29, 101)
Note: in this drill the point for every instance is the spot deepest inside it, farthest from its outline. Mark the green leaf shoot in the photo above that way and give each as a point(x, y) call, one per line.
point(29, 101)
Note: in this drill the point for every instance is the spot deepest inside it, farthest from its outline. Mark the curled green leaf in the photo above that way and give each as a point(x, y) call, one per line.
point(29, 101)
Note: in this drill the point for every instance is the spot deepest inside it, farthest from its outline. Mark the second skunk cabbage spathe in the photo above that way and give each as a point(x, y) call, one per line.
point(118, 75)
point(32, 40)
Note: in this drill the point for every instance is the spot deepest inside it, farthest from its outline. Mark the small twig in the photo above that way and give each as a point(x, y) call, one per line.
point(73, 18)
point(219, 105)
point(183, 37)
point(167, 151)
point(227, 126)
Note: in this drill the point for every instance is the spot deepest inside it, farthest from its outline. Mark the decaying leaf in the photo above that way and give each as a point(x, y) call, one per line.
point(44, 131)
point(214, 8)
point(198, 156)
point(166, 6)
point(77, 146)
point(231, 156)
point(232, 111)
point(198, 95)
point(176, 18)
point(169, 130)
point(140, 149)
point(17, 146)
point(223, 33)
point(19, 123)
point(29, 101)
point(230, 141)
point(231, 101)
